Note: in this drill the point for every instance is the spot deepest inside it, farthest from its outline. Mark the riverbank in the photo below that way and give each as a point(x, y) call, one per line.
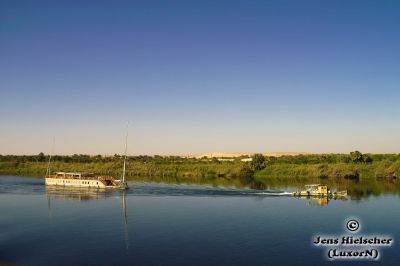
point(257, 173)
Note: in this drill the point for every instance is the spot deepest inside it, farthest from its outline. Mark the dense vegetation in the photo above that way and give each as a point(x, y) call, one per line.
point(259, 173)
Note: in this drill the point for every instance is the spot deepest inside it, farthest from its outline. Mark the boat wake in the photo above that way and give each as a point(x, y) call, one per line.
point(194, 190)
point(275, 193)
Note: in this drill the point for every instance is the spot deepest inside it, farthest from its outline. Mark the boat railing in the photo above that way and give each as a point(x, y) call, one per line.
point(101, 178)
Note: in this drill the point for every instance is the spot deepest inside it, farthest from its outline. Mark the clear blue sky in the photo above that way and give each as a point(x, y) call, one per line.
point(199, 76)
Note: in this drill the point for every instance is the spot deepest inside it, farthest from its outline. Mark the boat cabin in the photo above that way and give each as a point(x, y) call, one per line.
point(74, 175)
point(317, 189)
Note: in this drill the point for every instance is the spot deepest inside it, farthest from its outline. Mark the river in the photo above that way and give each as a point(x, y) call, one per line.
point(167, 224)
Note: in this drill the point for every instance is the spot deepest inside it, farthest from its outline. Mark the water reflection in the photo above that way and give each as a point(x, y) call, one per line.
point(86, 194)
point(356, 189)
point(125, 213)
point(319, 201)
point(75, 193)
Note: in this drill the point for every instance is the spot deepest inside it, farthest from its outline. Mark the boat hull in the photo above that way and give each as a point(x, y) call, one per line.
point(86, 183)
point(66, 182)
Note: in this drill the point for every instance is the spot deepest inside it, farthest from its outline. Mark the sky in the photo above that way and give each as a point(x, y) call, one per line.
point(193, 77)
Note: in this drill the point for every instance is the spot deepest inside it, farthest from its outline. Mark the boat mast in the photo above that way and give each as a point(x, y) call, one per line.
point(126, 147)
point(48, 165)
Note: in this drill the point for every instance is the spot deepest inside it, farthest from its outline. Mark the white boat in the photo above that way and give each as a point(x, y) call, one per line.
point(84, 180)
point(87, 180)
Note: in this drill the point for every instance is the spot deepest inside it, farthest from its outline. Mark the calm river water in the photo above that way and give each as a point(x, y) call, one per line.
point(154, 224)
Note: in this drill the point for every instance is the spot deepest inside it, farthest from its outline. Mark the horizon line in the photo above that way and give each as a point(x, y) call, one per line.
point(207, 154)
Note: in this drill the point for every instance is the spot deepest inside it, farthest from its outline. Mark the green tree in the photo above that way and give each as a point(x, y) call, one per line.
point(41, 157)
point(258, 162)
point(356, 157)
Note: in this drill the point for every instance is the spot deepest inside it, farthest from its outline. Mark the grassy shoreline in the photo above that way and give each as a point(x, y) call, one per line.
point(362, 178)
point(331, 167)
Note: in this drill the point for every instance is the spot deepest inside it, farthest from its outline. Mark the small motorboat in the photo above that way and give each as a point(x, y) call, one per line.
point(318, 190)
